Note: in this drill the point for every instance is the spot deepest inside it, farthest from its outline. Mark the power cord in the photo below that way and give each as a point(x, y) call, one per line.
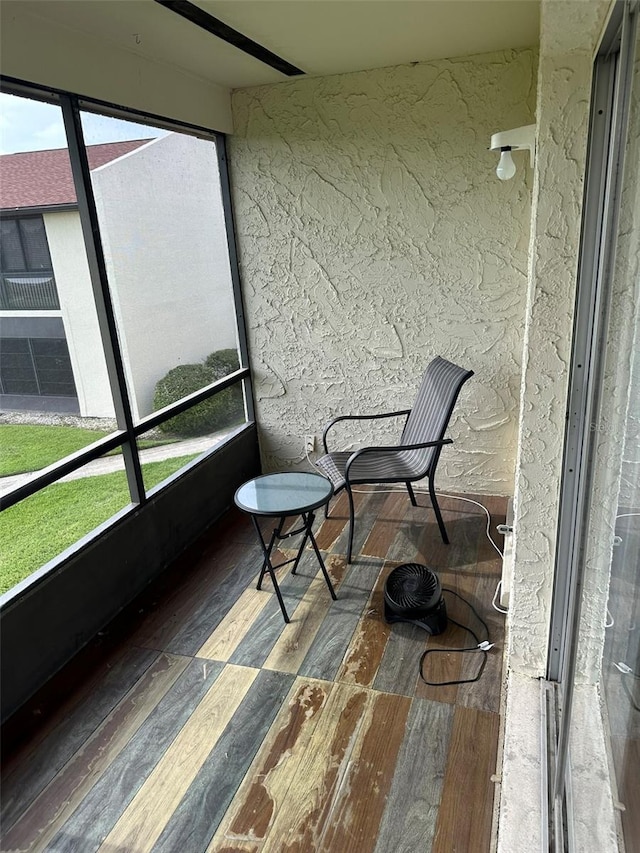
point(625, 669)
point(482, 646)
point(494, 600)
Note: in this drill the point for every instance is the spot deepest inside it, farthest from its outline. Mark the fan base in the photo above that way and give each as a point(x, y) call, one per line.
point(434, 622)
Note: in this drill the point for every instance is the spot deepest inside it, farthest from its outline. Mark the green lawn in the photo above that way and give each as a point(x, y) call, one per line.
point(42, 526)
point(26, 447)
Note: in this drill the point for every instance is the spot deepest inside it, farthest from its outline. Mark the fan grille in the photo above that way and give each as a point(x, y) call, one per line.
point(412, 587)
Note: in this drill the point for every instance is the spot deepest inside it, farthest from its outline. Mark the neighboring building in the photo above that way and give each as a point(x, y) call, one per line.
point(51, 358)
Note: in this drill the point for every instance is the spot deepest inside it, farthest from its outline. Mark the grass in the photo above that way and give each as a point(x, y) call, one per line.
point(27, 447)
point(39, 528)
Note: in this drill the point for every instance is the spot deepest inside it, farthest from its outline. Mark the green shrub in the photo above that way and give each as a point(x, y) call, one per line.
point(216, 413)
point(222, 362)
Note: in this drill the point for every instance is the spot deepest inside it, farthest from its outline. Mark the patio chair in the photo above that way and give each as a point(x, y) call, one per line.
point(417, 454)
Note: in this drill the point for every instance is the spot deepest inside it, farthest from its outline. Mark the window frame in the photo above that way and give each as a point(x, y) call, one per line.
point(128, 431)
point(609, 114)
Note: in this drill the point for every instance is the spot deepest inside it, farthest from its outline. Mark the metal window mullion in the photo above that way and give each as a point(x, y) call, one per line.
point(227, 207)
point(581, 371)
point(102, 297)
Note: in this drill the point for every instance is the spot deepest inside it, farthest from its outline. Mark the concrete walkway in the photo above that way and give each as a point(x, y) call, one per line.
point(108, 464)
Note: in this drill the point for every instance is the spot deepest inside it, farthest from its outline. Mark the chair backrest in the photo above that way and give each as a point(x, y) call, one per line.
point(432, 410)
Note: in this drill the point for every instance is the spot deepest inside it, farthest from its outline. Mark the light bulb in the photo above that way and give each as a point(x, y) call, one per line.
point(506, 167)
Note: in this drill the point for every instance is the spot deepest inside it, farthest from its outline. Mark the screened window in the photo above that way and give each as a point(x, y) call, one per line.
point(36, 366)
point(145, 333)
point(28, 282)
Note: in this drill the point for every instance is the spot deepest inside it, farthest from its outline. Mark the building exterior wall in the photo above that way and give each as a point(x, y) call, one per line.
point(374, 235)
point(165, 247)
point(77, 307)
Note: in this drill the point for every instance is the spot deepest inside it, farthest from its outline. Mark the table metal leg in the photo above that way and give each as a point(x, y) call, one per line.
point(267, 565)
point(308, 519)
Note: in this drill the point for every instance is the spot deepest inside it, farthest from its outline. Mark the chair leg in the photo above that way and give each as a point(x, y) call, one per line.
point(411, 494)
point(351, 524)
point(436, 509)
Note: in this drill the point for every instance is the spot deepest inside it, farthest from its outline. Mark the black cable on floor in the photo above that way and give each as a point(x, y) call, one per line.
point(481, 646)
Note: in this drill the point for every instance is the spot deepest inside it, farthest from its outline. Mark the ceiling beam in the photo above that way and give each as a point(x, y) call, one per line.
point(222, 31)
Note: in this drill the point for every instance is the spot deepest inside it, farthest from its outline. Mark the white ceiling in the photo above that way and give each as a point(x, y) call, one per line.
point(319, 36)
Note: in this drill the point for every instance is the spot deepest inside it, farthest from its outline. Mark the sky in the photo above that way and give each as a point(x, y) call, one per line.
point(27, 125)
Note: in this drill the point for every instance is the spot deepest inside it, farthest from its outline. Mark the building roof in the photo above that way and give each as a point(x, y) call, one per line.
point(43, 178)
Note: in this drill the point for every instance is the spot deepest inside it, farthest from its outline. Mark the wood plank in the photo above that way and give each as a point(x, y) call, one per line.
point(215, 602)
point(485, 693)
point(333, 526)
point(400, 664)
point(353, 821)
point(367, 502)
point(224, 640)
point(102, 807)
point(193, 823)
point(248, 820)
point(466, 807)
point(301, 816)
point(330, 644)
point(334, 537)
point(409, 820)
point(315, 768)
point(443, 666)
point(296, 638)
point(416, 526)
point(143, 821)
point(255, 646)
point(367, 645)
point(458, 578)
point(167, 618)
point(385, 527)
point(50, 809)
point(71, 726)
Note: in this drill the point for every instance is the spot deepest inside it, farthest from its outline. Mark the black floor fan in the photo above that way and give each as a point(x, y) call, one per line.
point(413, 593)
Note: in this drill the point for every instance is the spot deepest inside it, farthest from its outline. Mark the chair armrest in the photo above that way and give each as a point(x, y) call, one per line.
point(332, 423)
point(395, 447)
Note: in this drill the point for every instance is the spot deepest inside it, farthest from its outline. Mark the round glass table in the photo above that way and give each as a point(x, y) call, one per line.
point(282, 496)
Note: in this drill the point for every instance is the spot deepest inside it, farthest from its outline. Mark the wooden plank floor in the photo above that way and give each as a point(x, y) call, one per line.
point(199, 721)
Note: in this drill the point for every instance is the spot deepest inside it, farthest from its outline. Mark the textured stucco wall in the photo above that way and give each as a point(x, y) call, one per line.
point(373, 235)
point(570, 31)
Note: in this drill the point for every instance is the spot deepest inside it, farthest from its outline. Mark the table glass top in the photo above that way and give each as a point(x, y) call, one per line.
point(289, 493)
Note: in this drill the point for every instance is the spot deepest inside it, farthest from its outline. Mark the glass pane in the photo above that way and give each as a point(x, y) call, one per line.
point(160, 212)
point(621, 659)
point(54, 385)
point(609, 639)
point(178, 441)
point(41, 527)
point(11, 254)
point(35, 244)
point(53, 366)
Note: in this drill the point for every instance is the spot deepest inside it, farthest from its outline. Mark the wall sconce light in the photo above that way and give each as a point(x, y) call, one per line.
point(513, 140)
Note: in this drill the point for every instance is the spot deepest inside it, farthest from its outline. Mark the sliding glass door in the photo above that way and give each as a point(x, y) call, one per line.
point(595, 638)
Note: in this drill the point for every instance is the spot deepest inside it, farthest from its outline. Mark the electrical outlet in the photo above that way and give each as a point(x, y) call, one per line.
point(309, 443)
